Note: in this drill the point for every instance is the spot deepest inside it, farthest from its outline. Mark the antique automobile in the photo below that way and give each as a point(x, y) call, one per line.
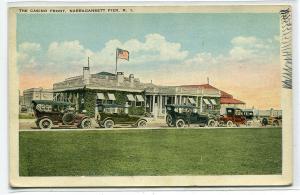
point(271, 120)
point(232, 116)
point(110, 115)
point(50, 113)
point(181, 115)
point(249, 115)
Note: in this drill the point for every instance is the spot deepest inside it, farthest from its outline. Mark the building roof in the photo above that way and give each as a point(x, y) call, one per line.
point(103, 73)
point(226, 98)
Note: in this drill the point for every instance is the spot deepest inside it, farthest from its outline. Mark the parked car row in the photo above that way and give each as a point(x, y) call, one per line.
point(51, 114)
point(185, 115)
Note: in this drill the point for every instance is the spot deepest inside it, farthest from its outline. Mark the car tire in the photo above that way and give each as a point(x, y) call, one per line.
point(68, 118)
point(169, 120)
point(276, 123)
point(221, 124)
point(180, 123)
point(86, 123)
point(264, 122)
point(98, 117)
point(45, 123)
point(229, 124)
point(109, 124)
point(249, 123)
point(211, 123)
point(142, 123)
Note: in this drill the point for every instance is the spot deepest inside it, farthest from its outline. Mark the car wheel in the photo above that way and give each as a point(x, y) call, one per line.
point(229, 124)
point(221, 124)
point(109, 123)
point(68, 118)
point(86, 123)
point(264, 122)
point(169, 120)
point(98, 117)
point(276, 123)
point(211, 123)
point(180, 123)
point(142, 123)
point(45, 123)
point(249, 123)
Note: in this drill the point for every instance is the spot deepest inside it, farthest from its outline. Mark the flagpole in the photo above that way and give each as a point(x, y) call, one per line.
point(116, 61)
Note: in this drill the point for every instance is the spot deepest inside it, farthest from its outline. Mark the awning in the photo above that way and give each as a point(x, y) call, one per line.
point(192, 101)
point(139, 98)
point(111, 96)
point(206, 101)
point(130, 97)
point(100, 96)
point(213, 101)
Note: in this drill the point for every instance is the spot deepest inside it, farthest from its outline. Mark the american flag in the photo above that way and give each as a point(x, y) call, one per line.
point(123, 54)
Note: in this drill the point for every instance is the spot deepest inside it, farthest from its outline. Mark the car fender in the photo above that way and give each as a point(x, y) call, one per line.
point(143, 118)
point(40, 118)
point(82, 118)
point(140, 119)
point(107, 118)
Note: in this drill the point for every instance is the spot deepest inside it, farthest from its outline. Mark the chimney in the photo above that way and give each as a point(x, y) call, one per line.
point(131, 80)
point(271, 112)
point(120, 77)
point(86, 73)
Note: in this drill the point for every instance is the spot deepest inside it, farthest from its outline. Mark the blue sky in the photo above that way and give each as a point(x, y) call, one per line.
point(206, 32)
point(239, 52)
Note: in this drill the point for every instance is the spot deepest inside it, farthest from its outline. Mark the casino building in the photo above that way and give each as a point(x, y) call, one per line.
point(88, 90)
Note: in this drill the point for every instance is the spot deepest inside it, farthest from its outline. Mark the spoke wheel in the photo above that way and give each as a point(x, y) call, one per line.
point(109, 124)
point(45, 123)
point(86, 123)
point(169, 120)
point(180, 123)
point(276, 123)
point(229, 124)
point(211, 123)
point(142, 123)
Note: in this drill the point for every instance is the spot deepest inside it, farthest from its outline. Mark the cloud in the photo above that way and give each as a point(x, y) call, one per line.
point(244, 41)
point(72, 55)
point(27, 54)
point(155, 48)
point(67, 55)
point(250, 65)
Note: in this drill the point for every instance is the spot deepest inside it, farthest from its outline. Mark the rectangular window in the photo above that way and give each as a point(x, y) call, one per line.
point(138, 104)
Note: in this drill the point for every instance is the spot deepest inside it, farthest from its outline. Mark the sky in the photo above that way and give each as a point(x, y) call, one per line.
point(238, 52)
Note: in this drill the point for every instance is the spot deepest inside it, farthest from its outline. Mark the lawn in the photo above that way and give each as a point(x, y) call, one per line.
point(151, 152)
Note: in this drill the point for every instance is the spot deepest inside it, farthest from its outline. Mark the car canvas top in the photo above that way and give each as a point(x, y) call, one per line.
point(51, 102)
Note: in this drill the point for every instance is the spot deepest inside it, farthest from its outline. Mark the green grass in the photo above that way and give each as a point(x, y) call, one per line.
point(26, 116)
point(151, 152)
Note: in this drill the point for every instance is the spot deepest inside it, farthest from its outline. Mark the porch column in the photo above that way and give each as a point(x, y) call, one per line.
point(166, 100)
point(160, 105)
point(153, 103)
point(201, 102)
point(145, 105)
point(154, 108)
point(180, 100)
point(175, 101)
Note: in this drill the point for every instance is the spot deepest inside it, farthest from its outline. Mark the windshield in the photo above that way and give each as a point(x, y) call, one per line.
point(238, 112)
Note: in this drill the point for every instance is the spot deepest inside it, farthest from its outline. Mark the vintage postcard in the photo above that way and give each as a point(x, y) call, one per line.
point(120, 96)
